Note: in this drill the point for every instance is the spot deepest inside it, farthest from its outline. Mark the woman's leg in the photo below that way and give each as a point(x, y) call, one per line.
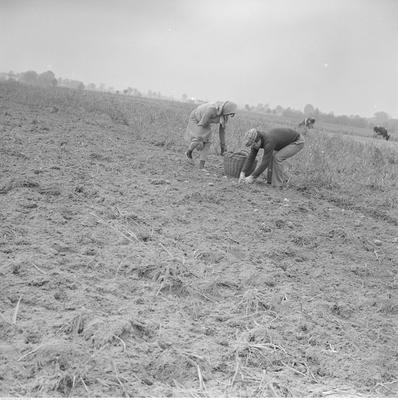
point(203, 153)
point(195, 143)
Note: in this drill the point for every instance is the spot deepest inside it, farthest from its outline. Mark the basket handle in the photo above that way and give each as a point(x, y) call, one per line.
point(237, 154)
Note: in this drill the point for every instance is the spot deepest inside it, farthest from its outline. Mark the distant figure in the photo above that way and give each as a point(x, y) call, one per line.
point(278, 144)
point(380, 131)
point(199, 128)
point(308, 123)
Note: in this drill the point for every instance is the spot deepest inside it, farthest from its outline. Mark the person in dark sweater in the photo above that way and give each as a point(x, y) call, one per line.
point(278, 144)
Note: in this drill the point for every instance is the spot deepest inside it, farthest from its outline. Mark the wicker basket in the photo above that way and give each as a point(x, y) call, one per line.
point(233, 163)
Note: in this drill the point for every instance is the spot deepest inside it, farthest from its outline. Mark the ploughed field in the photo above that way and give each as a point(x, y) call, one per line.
point(124, 271)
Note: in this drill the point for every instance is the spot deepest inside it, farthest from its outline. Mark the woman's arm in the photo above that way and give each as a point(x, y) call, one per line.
point(206, 117)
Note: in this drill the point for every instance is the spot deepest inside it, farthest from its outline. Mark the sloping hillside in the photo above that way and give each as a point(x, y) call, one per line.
point(127, 272)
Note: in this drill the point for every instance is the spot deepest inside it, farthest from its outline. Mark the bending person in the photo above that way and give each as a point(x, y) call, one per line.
point(278, 144)
point(199, 128)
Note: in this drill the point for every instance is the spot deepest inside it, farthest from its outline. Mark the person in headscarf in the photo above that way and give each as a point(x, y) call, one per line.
point(278, 144)
point(199, 130)
point(307, 122)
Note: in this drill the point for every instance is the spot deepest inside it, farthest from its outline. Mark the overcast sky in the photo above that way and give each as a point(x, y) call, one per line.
point(338, 55)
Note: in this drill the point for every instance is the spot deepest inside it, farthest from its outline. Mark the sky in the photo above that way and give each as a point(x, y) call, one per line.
point(340, 56)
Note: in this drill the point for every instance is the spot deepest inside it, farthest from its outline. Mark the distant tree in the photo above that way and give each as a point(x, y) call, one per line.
point(381, 117)
point(128, 91)
point(91, 86)
point(29, 77)
point(184, 97)
point(260, 107)
point(12, 76)
point(73, 84)
point(286, 112)
point(309, 110)
point(392, 124)
point(47, 79)
point(358, 121)
point(289, 112)
point(343, 120)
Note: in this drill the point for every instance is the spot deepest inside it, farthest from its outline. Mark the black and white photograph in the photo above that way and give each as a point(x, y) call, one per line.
point(198, 198)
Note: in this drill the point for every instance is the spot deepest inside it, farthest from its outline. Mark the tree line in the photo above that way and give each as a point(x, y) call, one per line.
point(48, 79)
point(379, 118)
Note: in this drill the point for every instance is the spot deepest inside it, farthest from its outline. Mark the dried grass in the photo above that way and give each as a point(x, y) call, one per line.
point(15, 315)
point(100, 331)
point(253, 301)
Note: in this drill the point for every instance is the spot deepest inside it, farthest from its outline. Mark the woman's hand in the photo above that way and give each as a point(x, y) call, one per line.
point(250, 179)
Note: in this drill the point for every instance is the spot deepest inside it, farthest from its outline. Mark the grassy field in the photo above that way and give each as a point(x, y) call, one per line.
point(339, 162)
point(126, 272)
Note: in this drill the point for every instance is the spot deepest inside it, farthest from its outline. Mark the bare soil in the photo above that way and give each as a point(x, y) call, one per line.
point(124, 271)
